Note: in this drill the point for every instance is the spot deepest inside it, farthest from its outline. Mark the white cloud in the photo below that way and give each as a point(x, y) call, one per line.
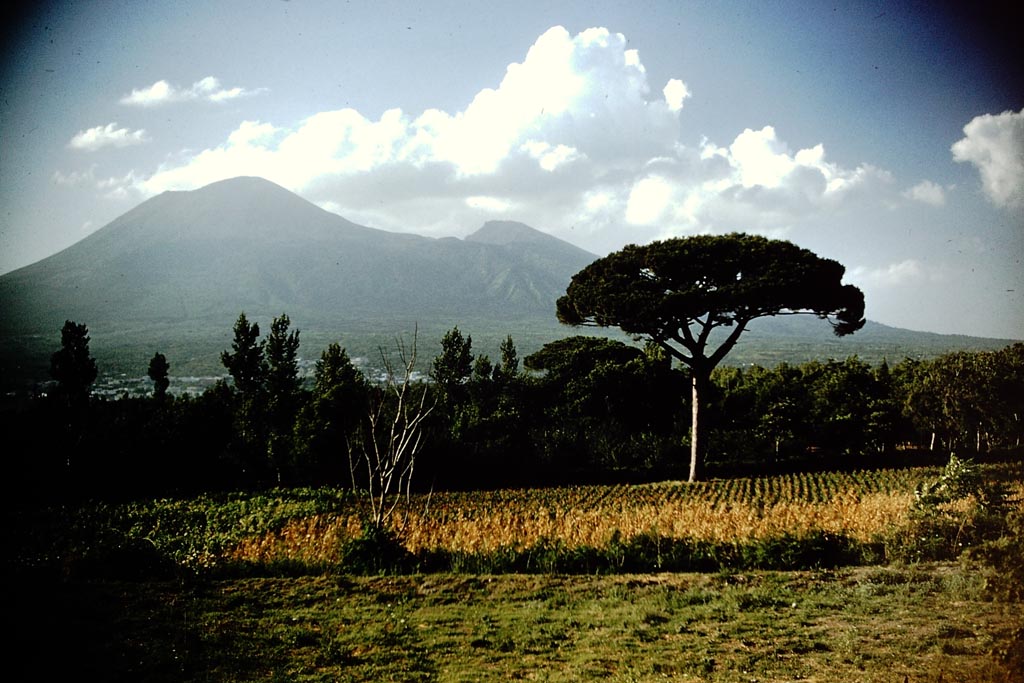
point(549, 158)
point(890, 275)
point(757, 184)
point(158, 93)
point(760, 158)
point(112, 187)
point(107, 136)
point(333, 207)
point(905, 273)
point(162, 92)
point(571, 140)
point(569, 100)
point(75, 178)
point(648, 200)
point(926, 192)
point(675, 92)
point(995, 145)
point(493, 204)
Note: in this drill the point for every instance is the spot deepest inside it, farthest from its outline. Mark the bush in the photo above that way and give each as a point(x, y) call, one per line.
point(957, 511)
point(377, 550)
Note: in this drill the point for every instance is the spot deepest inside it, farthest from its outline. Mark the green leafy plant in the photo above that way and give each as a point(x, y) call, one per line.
point(954, 512)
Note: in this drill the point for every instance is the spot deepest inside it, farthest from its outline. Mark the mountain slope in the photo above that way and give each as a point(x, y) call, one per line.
point(247, 244)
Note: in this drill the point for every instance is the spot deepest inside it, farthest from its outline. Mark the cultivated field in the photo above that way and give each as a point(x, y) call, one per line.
point(865, 507)
point(561, 584)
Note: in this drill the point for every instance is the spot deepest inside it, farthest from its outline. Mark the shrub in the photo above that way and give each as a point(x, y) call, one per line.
point(953, 513)
point(377, 550)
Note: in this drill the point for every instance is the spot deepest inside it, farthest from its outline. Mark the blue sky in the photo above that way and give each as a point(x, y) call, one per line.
point(888, 136)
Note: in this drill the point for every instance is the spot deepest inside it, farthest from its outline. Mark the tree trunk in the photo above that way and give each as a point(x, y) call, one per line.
point(700, 382)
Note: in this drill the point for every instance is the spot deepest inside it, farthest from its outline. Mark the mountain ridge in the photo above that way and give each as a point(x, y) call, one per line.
point(246, 243)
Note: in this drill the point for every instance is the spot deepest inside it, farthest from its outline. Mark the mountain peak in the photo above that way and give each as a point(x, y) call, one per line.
point(246, 183)
point(507, 232)
point(247, 244)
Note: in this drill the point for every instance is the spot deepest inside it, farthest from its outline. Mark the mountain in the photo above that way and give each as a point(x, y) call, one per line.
point(247, 244)
point(172, 275)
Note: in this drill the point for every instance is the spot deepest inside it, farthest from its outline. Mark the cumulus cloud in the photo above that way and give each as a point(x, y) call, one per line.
point(994, 144)
point(75, 178)
point(926, 192)
point(675, 92)
point(572, 140)
point(907, 272)
point(755, 184)
point(569, 100)
point(162, 92)
point(111, 187)
point(648, 200)
point(889, 275)
point(107, 136)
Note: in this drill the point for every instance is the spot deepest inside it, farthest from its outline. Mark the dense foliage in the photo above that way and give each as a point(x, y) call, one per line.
point(582, 409)
point(684, 294)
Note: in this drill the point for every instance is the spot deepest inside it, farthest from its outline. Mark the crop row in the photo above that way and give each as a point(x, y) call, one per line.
point(858, 505)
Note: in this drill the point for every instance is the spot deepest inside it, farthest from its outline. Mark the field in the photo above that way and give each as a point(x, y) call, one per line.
point(550, 584)
point(858, 505)
point(918, 623)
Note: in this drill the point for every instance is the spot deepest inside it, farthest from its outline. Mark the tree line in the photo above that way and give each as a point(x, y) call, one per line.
point(585, 407)
point(579, 409)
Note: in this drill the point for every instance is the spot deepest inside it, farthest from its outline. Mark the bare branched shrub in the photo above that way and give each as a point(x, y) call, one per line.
point(382, 461)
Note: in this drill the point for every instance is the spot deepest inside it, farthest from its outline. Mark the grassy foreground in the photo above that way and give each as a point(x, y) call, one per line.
point(928, 622)
point(892, 575)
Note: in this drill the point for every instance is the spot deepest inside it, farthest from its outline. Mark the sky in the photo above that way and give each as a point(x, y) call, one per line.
point(888, 136)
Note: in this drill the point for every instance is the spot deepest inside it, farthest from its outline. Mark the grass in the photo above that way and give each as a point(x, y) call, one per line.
point(917, 623)
point(551, 585)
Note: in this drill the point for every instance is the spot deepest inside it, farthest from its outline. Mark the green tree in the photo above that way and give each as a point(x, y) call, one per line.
point(964, 399)
point(565, 359)
point(281, 352)
point(678, 293)
point(335, 374)
point(453, 367)
point(843, 399)
point(483, 369)
point(72, 366)
point(74, 370)
point(245, 361)
point(488, 444)
point(326, 423)
point(1008, 398)
point(601, 403)
point(248, 369)
point(158, 371)
point(451, 371)
point(782, 405)
point(281, 389)
point(508, 368)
